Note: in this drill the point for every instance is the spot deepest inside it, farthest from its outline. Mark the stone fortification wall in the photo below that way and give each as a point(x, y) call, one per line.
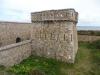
point(15, 53)
point(88, 38)
point(10, 31)
point(58, 15)
point(54, 34)
point(53, 40)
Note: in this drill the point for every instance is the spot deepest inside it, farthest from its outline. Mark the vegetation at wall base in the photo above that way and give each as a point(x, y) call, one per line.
point(87, 63)
point(2, 68)
point(95, 45)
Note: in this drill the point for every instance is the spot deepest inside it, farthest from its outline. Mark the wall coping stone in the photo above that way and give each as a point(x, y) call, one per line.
point(14, 45)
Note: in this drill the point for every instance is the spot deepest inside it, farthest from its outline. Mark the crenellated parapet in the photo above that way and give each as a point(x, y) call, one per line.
point(55, 15)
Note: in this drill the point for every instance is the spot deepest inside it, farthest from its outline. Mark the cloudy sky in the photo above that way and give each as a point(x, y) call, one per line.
point(19, 10)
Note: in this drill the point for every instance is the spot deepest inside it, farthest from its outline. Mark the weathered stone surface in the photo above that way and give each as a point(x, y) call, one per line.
point(9, 31)
point(15, 53)
point(53, 34)
point(58, 15)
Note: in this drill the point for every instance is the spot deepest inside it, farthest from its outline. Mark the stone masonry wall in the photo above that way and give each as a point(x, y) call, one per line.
point(54, 34)
point(53, 40)
point(9, 31)
point(88, 38)
point(15, 53)
point(58, 15)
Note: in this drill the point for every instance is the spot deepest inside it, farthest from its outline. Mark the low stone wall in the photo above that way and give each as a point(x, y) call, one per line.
point(15, 53)
point(88, 38)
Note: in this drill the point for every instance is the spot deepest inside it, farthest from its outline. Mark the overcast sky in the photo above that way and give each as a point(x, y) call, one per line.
point(19, 10)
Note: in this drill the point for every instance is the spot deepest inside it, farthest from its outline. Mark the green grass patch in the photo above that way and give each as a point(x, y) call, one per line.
point(2, 68)
point(47, 66)
point(87, 63)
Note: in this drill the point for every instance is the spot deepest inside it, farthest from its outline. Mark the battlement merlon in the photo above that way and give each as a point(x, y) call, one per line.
point(55, 15)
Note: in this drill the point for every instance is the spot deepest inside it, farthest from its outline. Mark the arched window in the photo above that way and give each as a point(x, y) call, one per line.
point(18, 39)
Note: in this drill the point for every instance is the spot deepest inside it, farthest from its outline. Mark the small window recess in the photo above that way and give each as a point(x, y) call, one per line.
point(71, 38)
point(18, 39)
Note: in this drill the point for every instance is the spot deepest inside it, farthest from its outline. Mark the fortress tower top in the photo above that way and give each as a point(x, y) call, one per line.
point(55, 15)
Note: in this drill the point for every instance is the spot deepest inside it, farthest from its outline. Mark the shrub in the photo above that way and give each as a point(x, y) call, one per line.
point(95, 45)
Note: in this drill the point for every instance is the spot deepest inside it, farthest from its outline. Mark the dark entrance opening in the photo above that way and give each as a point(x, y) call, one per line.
point(18, 39)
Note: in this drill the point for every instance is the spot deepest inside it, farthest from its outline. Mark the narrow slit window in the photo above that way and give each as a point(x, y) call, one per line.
point(51, 35)
point(0, 44)
point(45, 36)
point(64, 37)
point(71, 37)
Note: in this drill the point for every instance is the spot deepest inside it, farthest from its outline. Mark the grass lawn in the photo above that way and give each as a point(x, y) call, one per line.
point(87, 63)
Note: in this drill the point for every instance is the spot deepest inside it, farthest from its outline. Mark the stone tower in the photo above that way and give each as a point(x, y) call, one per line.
point(51, 34)
point(54, 34)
